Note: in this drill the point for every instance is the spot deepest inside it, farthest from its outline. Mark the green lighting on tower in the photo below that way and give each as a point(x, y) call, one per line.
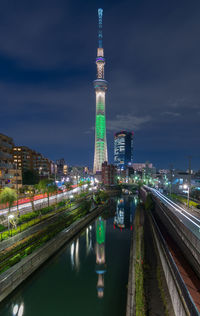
point(100, 86)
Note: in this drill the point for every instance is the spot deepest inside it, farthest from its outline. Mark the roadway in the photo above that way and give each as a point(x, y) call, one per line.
point(26, 207)
point(189, 220)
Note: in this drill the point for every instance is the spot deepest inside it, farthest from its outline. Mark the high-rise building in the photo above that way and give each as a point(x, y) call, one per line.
point(61, 167)
point(123, 149)
point(28, 159)
point(108, 174)
point(100, 86)
point(9, 173)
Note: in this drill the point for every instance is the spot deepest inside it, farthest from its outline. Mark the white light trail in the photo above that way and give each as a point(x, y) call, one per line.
point(176, 207)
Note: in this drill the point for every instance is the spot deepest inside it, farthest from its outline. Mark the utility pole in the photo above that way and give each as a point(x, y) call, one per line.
point(171, 170)
point(16, 177)
point(189, 178)
point(189, 170)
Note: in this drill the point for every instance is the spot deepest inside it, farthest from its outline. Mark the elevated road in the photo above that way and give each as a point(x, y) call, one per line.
point(185, 216)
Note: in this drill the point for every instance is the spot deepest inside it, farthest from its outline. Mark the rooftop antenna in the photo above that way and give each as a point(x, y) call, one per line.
point(100, 34)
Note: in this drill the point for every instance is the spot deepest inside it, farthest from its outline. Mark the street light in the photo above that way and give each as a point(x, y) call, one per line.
point(185, 186)
point(9, 216)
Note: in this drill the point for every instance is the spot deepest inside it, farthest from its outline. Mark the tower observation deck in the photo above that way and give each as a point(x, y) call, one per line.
point(100, 87)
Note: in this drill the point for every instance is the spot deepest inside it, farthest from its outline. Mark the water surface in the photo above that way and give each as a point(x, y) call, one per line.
point(88, 276)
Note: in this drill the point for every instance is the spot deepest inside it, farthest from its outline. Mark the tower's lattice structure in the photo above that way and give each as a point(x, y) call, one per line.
point(100, 86)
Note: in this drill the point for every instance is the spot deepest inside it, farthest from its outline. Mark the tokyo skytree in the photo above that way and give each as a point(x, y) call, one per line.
point(100, 87)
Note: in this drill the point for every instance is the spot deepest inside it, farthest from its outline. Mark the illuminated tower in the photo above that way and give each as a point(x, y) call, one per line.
point(100, 86)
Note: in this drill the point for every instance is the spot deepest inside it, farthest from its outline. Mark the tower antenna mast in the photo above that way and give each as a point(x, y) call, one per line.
point(100, 34)
point(100, 87)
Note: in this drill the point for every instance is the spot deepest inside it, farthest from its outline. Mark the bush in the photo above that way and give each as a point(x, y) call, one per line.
point(46, 210)
point(2, 228)
point(85, 206)
point(14, 260)
point(62, 203)
point(45, 238)
point(149, 203)
point(29, 250)
point(27, 217)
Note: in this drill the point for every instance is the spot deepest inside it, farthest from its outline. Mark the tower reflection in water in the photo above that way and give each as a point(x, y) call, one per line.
point(100, 255)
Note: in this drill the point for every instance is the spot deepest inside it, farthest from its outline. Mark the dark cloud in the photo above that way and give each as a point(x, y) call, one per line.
point(47, 62)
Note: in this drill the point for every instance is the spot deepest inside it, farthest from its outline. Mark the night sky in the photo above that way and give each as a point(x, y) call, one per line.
point(47, 68)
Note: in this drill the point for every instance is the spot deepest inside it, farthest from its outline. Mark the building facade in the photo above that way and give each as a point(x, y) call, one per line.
point(108, 174)
point(141, 166)
point(123, 149)
point(10, 175)
point(62, 168)
point(28, 159)
point(100, 86)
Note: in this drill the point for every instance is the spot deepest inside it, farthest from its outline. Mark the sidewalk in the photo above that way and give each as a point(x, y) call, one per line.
point(31, 230)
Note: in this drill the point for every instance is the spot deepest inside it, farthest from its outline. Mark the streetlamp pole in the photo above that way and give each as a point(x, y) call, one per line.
point(16, 177)
point(189, 182)
point(186, 186)
point(188, 196)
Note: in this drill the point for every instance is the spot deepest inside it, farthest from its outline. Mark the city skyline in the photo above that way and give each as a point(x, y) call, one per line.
point(47, 68)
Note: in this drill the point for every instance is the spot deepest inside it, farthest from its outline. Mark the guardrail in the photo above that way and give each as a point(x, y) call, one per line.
point(184, 295)
point(191, 240)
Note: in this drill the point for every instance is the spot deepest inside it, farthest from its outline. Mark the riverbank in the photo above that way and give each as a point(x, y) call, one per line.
point(17, 274)
point(147, 291)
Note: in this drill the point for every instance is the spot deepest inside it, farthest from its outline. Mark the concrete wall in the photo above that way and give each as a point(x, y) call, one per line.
point(10, 279)
point(187, 241)
point(180, 297)
point(130, 305)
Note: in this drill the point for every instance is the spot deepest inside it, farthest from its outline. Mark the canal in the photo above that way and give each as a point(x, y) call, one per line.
point(88, 276)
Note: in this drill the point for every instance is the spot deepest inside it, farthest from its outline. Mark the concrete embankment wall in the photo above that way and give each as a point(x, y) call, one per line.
point(130, 305)
point(187, 241)
point(182, 302)
point(181, 299)
point(10, 279)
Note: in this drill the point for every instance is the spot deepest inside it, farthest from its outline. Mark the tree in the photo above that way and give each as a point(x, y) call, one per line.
point(47, 186)
point(68, 185)
point(101, 197)
point(30, 177)
point(8, 195)
point(31, 192)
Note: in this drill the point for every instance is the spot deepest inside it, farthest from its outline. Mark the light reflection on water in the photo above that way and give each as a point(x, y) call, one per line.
point(92, 268)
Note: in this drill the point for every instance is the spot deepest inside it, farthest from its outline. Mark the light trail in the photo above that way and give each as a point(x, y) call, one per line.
point(26, 206)
point(175, 207)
